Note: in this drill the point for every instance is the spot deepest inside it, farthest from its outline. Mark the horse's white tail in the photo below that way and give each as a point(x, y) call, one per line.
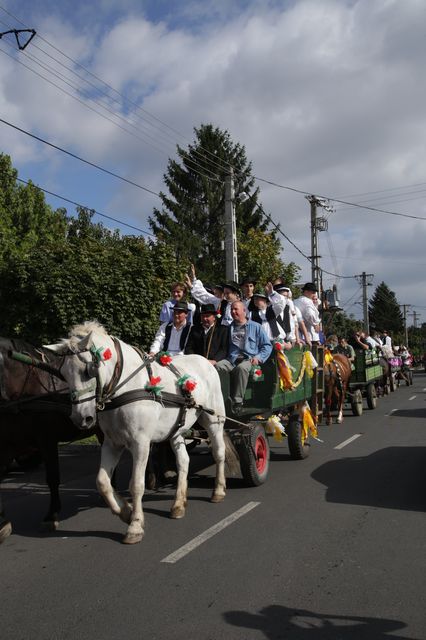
point(232, 460)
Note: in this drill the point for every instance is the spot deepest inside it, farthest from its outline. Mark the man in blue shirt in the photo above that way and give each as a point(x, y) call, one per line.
point(248, 345)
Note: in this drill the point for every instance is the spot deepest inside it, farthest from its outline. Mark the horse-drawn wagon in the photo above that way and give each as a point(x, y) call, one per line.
point(279, 404)
point(364, 381)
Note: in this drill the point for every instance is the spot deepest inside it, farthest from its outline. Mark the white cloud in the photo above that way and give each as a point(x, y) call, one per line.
point(327, 96)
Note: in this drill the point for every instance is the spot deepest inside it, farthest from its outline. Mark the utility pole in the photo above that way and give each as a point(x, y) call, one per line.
point(415, 315)
point(363, 279)
point(405, 307)
point(317, 224)
point(231, 255)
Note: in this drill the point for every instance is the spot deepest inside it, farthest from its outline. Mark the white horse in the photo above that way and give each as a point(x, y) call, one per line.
point(99, 383)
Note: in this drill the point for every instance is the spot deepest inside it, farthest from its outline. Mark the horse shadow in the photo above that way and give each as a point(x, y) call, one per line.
point(409, 413)
point(391, 478)
point(278, 621)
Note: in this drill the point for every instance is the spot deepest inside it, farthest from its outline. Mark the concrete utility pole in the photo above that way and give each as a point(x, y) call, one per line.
point(317, 224)
point(231, 254)
point(405, 307)
point(363, 279)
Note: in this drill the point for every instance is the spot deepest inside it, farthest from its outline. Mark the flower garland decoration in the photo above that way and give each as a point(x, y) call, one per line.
point(164, 358)
point(187, 383)
point(101, 354)
point(256, 373)
point(153, 385)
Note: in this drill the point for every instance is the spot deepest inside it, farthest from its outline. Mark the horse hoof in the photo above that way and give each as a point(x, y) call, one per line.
point(177, 512)
point(5, 531)
point(48, 526)
point(339, 421)
point(216, 498)
point(132, 538)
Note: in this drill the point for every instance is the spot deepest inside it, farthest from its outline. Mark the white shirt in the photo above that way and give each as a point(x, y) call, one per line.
point(278, 303)
point(310, 316)
point(202, 296)
point(174, 342)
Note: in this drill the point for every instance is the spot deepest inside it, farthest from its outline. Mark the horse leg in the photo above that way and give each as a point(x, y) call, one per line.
point(135, 530)
point(110, 455)
point(214, 428)
point(340, 401)
point(5, 525)
point(182, 460)
point(49, 449)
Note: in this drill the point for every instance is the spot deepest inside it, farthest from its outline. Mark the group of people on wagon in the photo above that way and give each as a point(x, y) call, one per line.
point(380, 343)
point(234, 325)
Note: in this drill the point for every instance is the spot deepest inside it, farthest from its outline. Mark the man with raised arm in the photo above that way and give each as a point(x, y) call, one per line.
point(231, 293)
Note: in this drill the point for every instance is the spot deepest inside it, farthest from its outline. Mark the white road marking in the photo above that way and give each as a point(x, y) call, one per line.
point(391, 412)
point(209, 533)
point(412, 397)
point(424, 389)
point(348, 441)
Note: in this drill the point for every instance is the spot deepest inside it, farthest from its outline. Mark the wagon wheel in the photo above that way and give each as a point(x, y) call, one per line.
point(298, 446)
point(356, 402)
point(253, 451)
point(371, 396)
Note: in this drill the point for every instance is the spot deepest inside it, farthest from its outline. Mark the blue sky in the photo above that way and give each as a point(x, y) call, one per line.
point(327, 96)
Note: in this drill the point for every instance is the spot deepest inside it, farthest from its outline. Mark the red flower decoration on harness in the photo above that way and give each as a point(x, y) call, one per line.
point(107, 354)
point(165, 358)
point(153, 385)
point(187, 383)
point(278, 346)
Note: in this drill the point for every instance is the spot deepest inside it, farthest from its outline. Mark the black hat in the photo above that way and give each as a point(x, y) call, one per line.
point(232, 285)
point(260, 294)
point(248, 280)
point(208, 308)
point(309, 286)
point(281, 287)
point(181, 305)
point(209, 287)
point(218, 286)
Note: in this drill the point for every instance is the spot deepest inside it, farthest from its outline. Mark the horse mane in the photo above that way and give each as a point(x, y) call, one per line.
point(80, 331)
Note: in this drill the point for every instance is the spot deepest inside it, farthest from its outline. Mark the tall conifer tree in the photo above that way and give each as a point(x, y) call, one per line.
point(384, 311)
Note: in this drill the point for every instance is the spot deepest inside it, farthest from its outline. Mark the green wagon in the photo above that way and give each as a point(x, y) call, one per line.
point(364, 381)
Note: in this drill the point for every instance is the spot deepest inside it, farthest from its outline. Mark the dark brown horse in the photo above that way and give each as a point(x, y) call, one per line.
point(34, 414)
point(337, 371)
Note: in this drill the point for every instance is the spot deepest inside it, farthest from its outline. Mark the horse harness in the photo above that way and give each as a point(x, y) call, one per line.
point(104, 395)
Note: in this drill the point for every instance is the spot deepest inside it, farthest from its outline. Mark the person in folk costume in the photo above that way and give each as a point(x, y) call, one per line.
point(211, 339)
point(248, 345)
point(173, 336)
point(231, 293)
point(248, 285)
point(290, 319)
point(178, 291)
point(309, 311)
point(269, 305)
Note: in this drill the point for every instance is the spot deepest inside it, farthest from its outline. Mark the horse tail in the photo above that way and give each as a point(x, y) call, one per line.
point(232, 460)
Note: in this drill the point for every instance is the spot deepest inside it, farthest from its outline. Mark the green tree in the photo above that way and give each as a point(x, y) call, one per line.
point(384, 311)
point(258, 255)
point(191, 219)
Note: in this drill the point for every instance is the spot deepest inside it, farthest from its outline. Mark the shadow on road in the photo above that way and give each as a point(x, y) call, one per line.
point(392, 478)
point(409, 413)
point(277, 622)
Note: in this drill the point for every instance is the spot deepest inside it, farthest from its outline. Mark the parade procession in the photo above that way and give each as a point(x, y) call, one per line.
point(212, 335)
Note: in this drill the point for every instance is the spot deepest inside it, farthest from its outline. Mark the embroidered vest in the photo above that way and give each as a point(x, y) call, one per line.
point(183, 336)
point(271, 319)
point(284, 319)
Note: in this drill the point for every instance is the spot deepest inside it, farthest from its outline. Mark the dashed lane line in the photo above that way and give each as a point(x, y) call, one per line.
point(391, 412)
point(348, 441)
point(412, 397)
point(209, 533)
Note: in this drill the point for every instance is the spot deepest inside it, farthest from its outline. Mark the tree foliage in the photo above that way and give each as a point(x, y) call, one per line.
point(384, 311)
point(192, 216)
point(57, 270)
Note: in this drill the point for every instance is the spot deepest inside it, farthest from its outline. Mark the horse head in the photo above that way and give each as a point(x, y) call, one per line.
point(89, 359)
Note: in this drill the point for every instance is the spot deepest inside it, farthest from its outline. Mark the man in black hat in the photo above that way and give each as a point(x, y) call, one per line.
point(211, 339)
point(248, 284)
point(309, 311)
point(173, 336)
point(231, 293)
point(269, 305)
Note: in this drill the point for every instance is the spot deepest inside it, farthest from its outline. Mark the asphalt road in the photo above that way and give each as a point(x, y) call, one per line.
point(330, 547)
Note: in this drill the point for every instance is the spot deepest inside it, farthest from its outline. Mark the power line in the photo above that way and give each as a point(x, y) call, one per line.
point(352, 204)
point(73, 155)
